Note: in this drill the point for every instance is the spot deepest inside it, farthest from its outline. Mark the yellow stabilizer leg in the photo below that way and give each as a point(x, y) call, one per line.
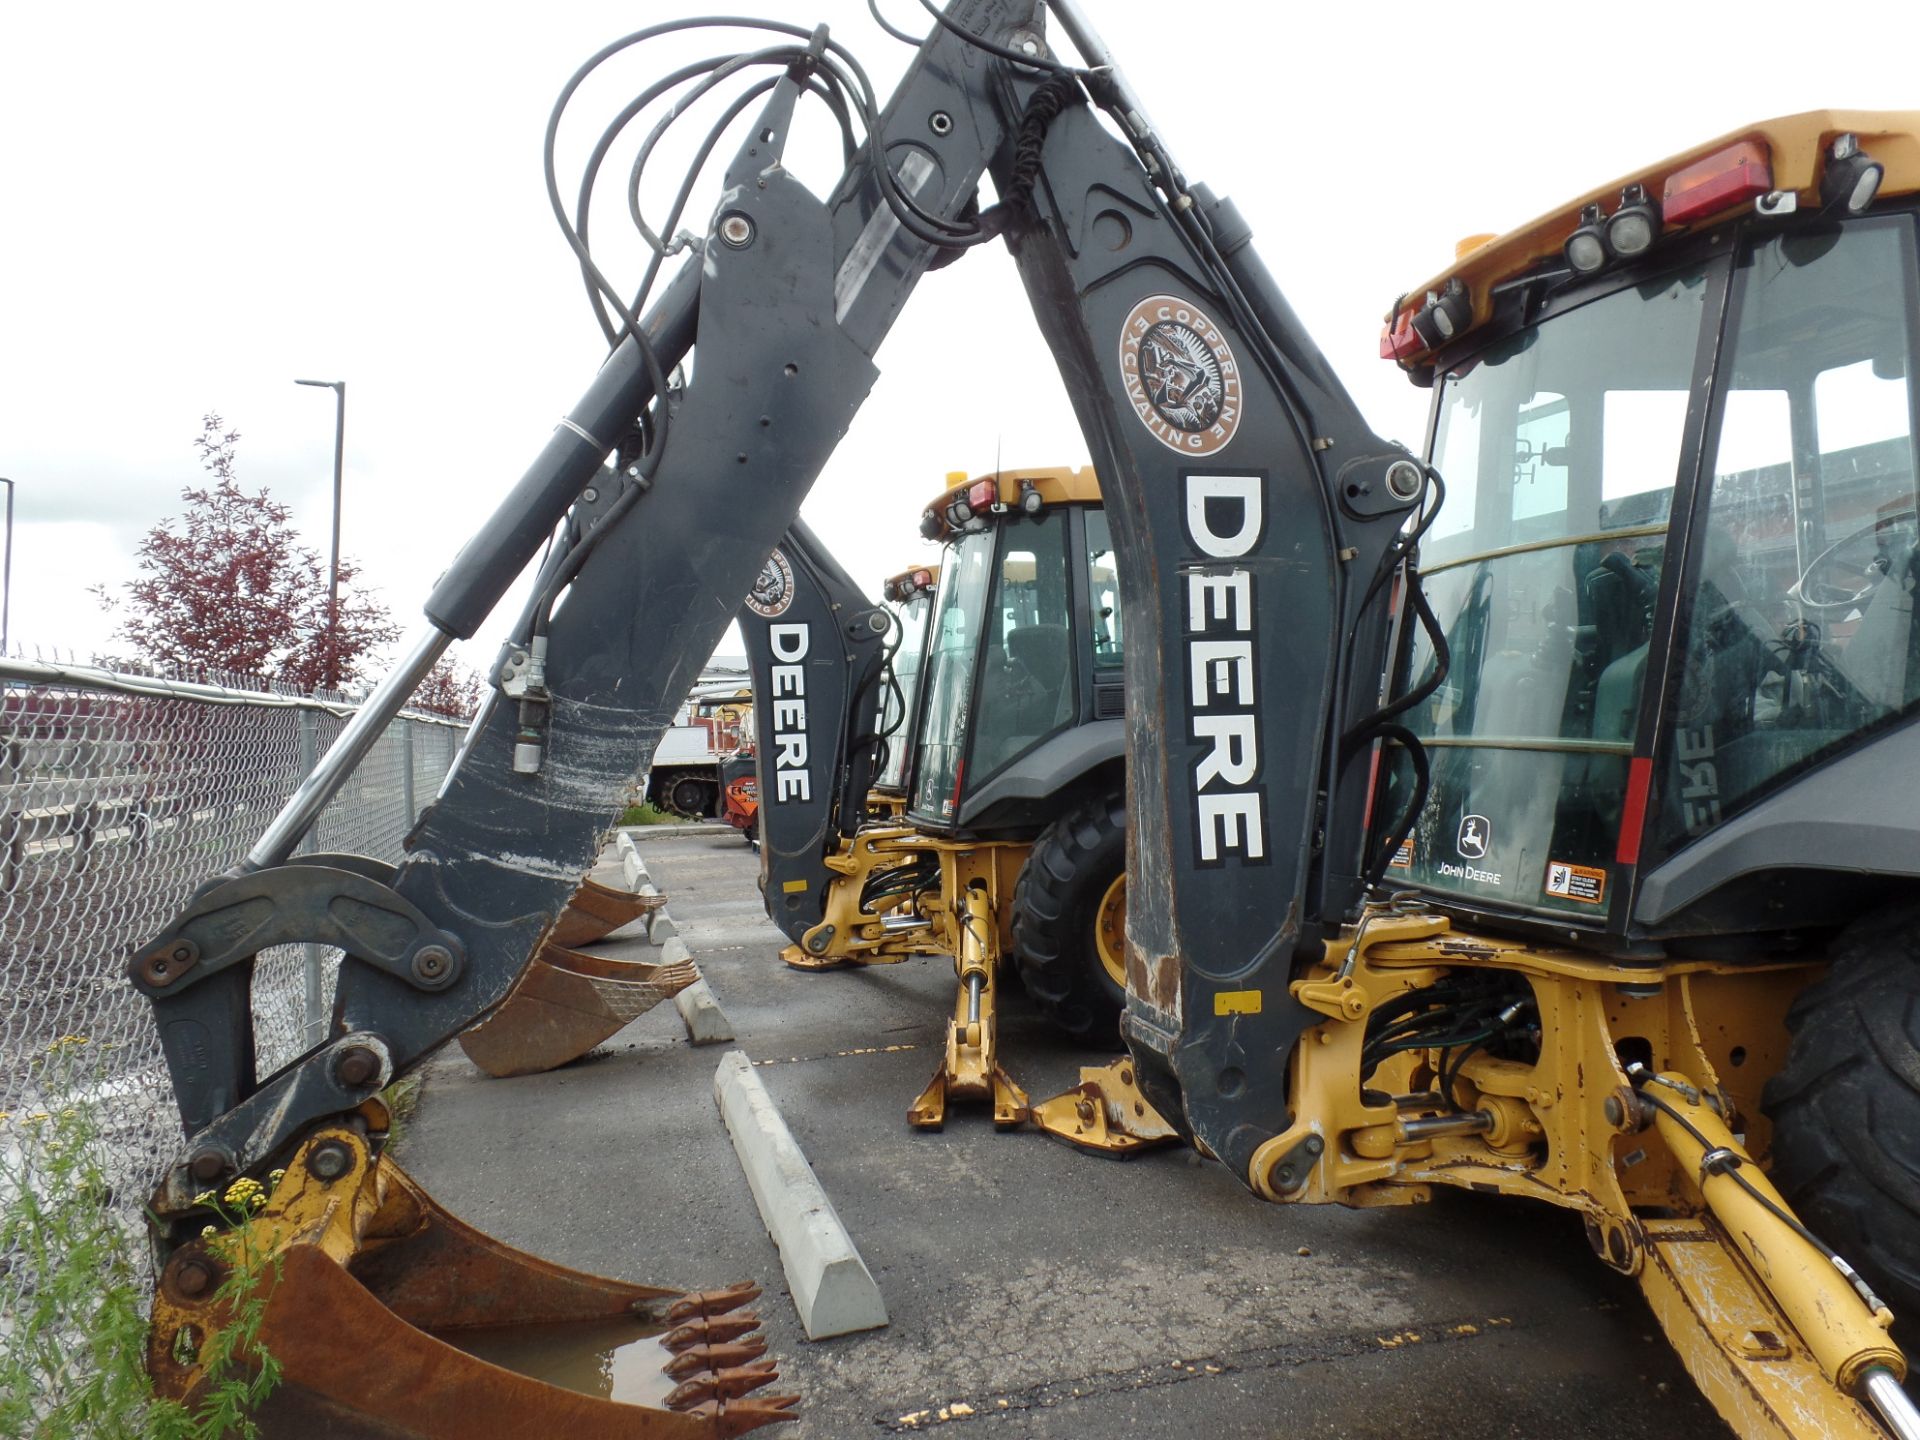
point(969, 1067)
point(1105, 1113)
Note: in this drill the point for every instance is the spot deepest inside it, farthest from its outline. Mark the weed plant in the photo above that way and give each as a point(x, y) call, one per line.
point(74, 1274)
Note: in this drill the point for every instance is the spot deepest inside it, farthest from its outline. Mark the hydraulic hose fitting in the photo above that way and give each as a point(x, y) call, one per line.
point(527, 683)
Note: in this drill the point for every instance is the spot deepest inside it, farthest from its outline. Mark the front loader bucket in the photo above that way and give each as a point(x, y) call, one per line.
point(564, 1004)
point(367, 1293)
point(595, 911)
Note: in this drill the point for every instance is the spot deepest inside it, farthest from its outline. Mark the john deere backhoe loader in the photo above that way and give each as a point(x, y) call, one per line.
point(1011, 841)
point(1715, 843)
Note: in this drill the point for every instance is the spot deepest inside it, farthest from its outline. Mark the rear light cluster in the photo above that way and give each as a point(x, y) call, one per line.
point(903, 588)
point(1742, 172)
point(1445, 315)
point(967, 507)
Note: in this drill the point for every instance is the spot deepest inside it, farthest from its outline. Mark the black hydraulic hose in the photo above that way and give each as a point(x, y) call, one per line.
point(1366, 729)
point(599, 288)
point(1417, 802)
point(873, 8)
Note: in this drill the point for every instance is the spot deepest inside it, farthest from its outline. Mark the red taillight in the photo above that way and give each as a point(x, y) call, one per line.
point(1633, 815)
point(923, 579)
point(981, 494)
point(1398, 340)
point(1706, 187)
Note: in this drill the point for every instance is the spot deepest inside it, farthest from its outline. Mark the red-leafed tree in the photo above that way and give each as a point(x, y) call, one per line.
point(228, 585)
point(449, 689)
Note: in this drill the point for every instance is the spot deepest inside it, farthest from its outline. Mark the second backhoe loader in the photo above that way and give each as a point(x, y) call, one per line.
point(1011, 842)
point(1680, 869)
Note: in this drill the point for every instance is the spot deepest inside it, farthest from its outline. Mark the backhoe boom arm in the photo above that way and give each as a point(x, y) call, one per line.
point(1242, 484)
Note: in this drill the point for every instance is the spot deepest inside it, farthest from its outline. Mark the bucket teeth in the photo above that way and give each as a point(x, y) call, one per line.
point(736, 1417)
point(715, 1330)
point(709, 1303)
point(722, 1385)
point(714, 1357)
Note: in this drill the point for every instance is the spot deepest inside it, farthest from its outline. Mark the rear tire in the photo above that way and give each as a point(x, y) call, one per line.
point(1068, 917)
point(1846, 1105)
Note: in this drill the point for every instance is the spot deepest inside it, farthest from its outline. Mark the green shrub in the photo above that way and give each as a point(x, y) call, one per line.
point(74, 1273)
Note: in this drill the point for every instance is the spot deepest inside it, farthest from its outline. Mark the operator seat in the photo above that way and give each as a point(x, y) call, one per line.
point(1042, 651)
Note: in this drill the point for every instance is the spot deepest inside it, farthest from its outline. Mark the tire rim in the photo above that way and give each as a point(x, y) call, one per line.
point(1110, 931)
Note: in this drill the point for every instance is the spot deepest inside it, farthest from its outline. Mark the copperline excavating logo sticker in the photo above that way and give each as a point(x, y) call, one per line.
point(772, 593)
point(1180, 375)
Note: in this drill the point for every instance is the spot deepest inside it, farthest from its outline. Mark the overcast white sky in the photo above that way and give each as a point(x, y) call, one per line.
point(203, 202)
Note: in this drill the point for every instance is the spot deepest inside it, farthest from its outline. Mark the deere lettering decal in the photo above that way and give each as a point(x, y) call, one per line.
point(1225, 520)
point(1179, 374)
point(772, 593)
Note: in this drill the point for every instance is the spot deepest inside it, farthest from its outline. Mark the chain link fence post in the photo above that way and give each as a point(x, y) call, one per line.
point(316, 1026)
point(406, 776)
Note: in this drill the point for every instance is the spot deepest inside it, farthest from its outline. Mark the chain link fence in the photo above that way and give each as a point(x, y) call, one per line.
point(119, 793)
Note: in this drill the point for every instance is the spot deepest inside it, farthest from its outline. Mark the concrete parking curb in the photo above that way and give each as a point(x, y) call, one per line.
point(630, 863)
point(832, 1288)
point(700, 1012)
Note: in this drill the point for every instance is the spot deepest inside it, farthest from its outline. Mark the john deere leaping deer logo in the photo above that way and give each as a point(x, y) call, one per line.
point(1180, 375)
point(772, 593)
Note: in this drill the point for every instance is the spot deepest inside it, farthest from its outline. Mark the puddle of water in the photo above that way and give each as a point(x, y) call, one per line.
point(616, 1359)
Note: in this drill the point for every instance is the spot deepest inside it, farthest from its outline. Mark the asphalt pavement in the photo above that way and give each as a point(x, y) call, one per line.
point(1034, 1291)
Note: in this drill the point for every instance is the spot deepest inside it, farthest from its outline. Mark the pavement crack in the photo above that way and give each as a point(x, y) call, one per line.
point(834, 1055)
point(1051, 1394)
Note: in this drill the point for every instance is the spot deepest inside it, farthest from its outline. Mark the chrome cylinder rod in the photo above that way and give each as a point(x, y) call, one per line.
point(1432, 1127)
point(368, 724)
point(1902, 1418)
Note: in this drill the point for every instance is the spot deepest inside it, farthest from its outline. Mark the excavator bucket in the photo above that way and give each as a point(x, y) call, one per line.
point(595, 911)
point(565, 1003)
point(378, 1306)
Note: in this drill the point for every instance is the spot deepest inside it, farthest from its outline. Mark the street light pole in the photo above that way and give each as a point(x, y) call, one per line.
point(339, 388)
point(6, 584)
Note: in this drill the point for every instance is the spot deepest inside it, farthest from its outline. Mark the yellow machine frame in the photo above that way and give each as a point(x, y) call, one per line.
point(1658, 1155)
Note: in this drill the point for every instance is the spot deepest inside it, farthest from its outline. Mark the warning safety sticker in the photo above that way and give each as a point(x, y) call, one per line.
point(1403, 857)
point(1576, 882)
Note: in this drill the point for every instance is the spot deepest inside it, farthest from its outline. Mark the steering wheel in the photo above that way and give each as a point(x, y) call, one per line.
point(1847, 571)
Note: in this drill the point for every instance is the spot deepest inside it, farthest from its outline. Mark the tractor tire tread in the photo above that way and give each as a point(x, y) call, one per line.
point(1845, 1106)
point(1055, 902)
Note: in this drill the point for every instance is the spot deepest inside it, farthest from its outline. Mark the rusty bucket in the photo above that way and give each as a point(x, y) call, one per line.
point(565, 1002)
point(595, 911)
point(369, 1296)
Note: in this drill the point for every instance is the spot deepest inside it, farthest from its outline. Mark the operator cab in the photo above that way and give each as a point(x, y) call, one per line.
point(909, 595)
point(1675, 567)
point(1021, 697)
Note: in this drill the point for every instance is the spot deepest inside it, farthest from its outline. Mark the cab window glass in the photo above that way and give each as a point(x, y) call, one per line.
point(1799, 630)
point(1027, 678)
point(1559, 445)
point(1103, 593)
